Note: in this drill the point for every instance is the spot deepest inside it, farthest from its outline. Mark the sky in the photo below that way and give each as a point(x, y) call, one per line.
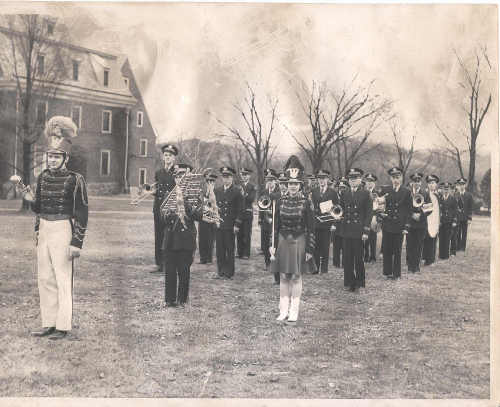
point(192, 61)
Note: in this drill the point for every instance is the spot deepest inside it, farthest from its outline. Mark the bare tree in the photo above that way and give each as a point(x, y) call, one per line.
point(476, 108)
point(36, 63)
point(255, 137)
point(337, 116)
point(196, 152)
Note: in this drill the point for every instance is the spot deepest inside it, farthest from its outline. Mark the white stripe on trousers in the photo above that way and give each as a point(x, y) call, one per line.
point(55, 274)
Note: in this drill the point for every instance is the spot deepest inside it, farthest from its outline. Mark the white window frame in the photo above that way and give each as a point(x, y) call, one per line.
point(110, 122)
point(46, 110)
point(79, 124)
point(145, 170)
point(145, 140)
point(141, 115)
point(127, 82)
point(109, 163)
point(104, 77)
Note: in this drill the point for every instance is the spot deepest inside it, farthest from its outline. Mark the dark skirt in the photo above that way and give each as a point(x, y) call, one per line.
point(290, 256)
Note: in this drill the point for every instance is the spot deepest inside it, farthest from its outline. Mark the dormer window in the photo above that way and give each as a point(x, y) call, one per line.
point(106, 77)
point(76, 66)
point(50, 28)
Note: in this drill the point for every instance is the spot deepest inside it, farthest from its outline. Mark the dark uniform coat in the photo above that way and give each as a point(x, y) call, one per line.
point(416, 233)
point(464, 215)
point(165, 183)
point(244, 237)
point(448, 210)
point(230, 202)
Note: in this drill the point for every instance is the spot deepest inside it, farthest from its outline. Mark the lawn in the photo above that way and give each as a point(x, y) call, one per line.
point(425, 336)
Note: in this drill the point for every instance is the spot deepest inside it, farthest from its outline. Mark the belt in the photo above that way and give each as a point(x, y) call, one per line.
point(58, 216)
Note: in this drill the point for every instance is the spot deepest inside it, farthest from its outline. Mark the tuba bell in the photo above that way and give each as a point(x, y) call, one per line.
point(418, 200)
point(334, 214)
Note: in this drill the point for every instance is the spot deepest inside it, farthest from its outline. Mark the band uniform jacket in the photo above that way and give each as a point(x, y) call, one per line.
point(319, 197)
point(62, 194)
point(266, 217)
point(179, 236)
point(249, 193)
point(397, 208)
point(448, 209)
point(422, 222)
point(230, 202)
point(357, 207)
point(464, 206)
point(165, 183)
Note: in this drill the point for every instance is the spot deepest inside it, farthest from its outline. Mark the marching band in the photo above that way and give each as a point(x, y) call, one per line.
point(299, 215)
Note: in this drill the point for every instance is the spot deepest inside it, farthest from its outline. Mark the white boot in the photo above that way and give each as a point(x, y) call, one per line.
point(295, 301)
point(284, 299)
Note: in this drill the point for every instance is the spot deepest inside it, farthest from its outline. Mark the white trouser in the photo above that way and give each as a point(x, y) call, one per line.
point(55, 274)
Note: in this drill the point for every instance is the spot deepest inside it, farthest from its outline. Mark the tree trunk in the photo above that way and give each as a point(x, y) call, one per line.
point(471, 187)
point(26, 171)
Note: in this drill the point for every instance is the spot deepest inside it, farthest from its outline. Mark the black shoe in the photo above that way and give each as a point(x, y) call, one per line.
point(245, 257)
point(156, 270)
point(171, 304)
point(352, 288)
point(44, 331)
point(202, 262)
point(58, 335)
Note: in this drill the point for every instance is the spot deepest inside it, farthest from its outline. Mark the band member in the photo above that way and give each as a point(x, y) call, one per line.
point(164, 179)
point(230, 202)
point(429, 250)
point(464, 214)
point(338, 241)
point(244, 237)
point(371, 243)
point(61, 208)
point(206, 230)
point(320, 195)
point(395, 224)
point(357, 209)
point(271, 194)
point(448, 210)
point(179, 243)
point(294, 239)
point(417, 222)
point(310, 184)
point(283, 183)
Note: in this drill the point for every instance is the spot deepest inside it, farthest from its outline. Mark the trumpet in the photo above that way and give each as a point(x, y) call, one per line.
point(333, 215)
point(145, 191)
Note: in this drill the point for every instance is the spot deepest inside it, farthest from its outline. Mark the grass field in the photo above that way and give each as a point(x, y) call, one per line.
point(425, 336)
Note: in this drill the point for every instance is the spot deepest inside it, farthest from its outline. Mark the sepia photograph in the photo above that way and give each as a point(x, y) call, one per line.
point(248, 201)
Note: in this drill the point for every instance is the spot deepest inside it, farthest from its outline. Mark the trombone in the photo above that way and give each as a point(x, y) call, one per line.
point(146, 191)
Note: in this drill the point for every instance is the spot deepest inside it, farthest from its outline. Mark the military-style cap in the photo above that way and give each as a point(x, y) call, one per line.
point(322, 174)
point(431, 178)
point(294, 169)
point(462, 181)
point(282, 177)
point(60, 130)
point(210, 176)
point(245, 171)
point(395, 171)
point(417, 176)
point(169, 148)
point(227, 171)
point(269, 173)
point(354, 173)
point(446, 185)
point(370, 177)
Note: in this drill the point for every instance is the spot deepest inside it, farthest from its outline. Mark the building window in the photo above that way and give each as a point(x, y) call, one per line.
point(106, 77)
point(76, 65)
point(76, 115)
point(41, 112)
point(40, 64)
point(142, 176)
point(126, 82)
point(140, 117)
point(50, 28)
point(106, 121)
point(105, 162)
point(143, 149)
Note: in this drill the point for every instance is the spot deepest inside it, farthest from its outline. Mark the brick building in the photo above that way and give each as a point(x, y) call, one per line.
point(115, 147)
